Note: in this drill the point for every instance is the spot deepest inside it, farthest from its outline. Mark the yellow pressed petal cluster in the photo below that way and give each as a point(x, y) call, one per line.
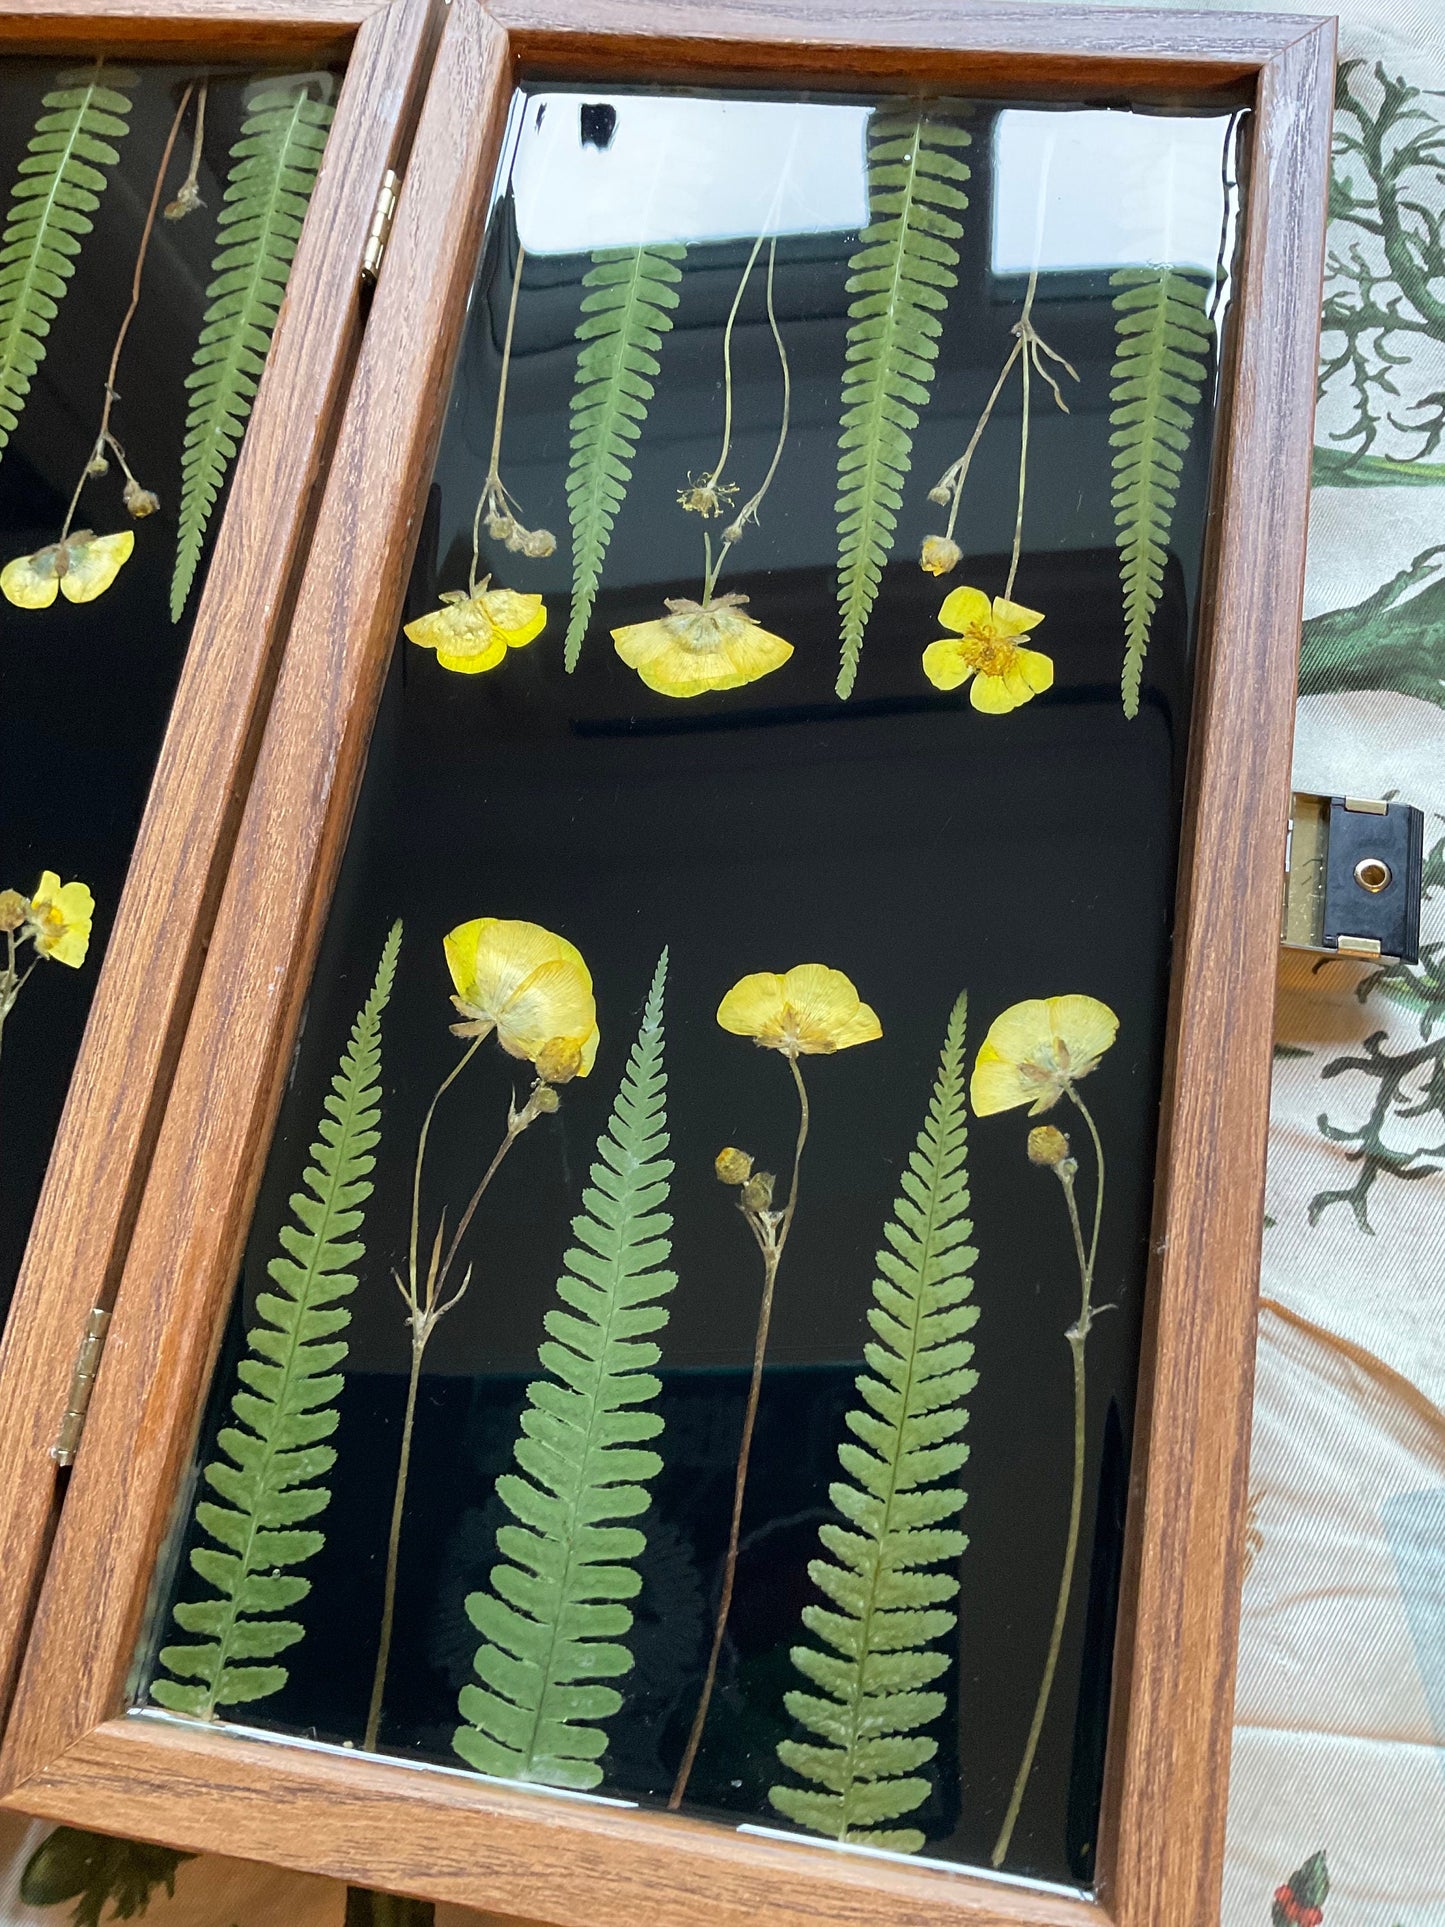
point(986, 648)
point(80, 569)
point(58, 919)
point(530, 986)
point(471, 633)
point(808, 1011)
point(1037, 1050)
point(700, 647)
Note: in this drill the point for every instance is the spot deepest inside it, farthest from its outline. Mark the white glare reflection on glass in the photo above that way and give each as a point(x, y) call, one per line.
point(621, 170)
point(1119, 190)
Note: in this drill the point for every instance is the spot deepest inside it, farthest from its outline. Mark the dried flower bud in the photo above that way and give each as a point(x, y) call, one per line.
point(734, 531)
point(140, 501)
point(501, 526)
point(559, 1060)
point(940, 493)
point(97, 465)
point(733, 1166)
point(186, 202)
point(758, 1192)
point(539, 542)
point(1047, 1145)
point(940, 554)
point(545, 1099)
point(12, 909)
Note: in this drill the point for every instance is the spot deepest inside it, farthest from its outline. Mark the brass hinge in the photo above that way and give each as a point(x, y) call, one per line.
point(82, 1382)
point(379, 233)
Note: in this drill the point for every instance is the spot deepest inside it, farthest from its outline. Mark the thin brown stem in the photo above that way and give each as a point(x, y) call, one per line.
point(773, 1237)
point(1013, 567)
point(451, 1077)
point(393, 1550)
point(1076, 1337)
point(494, 498)
point(749, 510)
point(104, 437)
point(958, 474)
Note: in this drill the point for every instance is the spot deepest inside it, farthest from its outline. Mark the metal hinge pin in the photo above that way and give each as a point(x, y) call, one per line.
point(82, 1383)
point(379, 233)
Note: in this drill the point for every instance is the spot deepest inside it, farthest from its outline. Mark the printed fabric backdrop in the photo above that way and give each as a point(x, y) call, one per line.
point(1337, 1796)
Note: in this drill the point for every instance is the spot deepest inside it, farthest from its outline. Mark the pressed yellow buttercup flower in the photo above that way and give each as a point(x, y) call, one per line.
point(701, 646)
point(471, 633)
point(80, 569)
point(1037, 1050)
point(58, 919)
point(530, 986)
point(987, 648)
point(808, 1011)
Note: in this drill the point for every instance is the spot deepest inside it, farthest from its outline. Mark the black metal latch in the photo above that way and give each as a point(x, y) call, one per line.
point(1354, 878)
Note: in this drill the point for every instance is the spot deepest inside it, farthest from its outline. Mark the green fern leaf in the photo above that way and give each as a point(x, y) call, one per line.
point(1163, 337)
point(273, 170)
point(900, 276)
point(274, 1482)
point(61, 181)
point(876, 1659)
point(626, 312)
point(555, 1615)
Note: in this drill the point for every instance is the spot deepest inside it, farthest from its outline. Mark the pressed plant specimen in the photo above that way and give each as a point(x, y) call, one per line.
point(79, 564)
point(1035, 1053)
point(900, 278)
point(54, 921)
point(712, 643)
point(807, 1011)
point(474, 629)
point(887, 1579)
point(556, 1614)
point(269, 1478)
point(986, 647)
point(531, 990)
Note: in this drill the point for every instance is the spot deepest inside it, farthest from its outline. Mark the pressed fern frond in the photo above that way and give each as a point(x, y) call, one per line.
point(1163, 337)
point(889, 1604)
point(900, 276)
point(273, 170)
point(625, 314)
point(555, 1613)
point(274, 1481)
point(59, 189)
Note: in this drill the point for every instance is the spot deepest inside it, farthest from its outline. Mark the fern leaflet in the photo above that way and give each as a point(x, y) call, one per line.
point(273, 170)
point(278, 1461)
point(875, 1656)
point(900, 276)
point(555, 1613)
point(59, 189)
point(1163, 337)
point(626, 312)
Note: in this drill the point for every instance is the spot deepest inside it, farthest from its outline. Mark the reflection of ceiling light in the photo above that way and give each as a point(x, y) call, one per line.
point(1102, 188)
point(676, 168)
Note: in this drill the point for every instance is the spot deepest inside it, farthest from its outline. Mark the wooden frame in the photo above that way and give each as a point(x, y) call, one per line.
point(143, 997)
point(71, 1752)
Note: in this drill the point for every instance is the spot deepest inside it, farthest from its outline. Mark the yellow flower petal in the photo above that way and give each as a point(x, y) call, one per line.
point(965, 609)
point(1036, 669)
point(694, 651)
point(944, 664)
point(1013, 619)
point(30, 581)
point(472, 634)
point(530, 984)
point(94, 564)
point(521, 618)
point(993, 696)
point(809, 1011)
point(1035, 1050)
point(59, 918)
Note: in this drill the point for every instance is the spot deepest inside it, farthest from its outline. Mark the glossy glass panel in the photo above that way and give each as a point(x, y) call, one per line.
point(817, 716)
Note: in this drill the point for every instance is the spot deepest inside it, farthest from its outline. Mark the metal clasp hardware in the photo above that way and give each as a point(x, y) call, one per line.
point(82, 1383)
point(379, 233)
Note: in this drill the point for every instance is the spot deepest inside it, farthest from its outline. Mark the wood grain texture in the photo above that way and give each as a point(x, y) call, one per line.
point(189, 1232)
point(181, 29)
point(572, 1864)
point(536, 1857)
point(148, 977)
point(985, 46)
point(1175, 1661)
